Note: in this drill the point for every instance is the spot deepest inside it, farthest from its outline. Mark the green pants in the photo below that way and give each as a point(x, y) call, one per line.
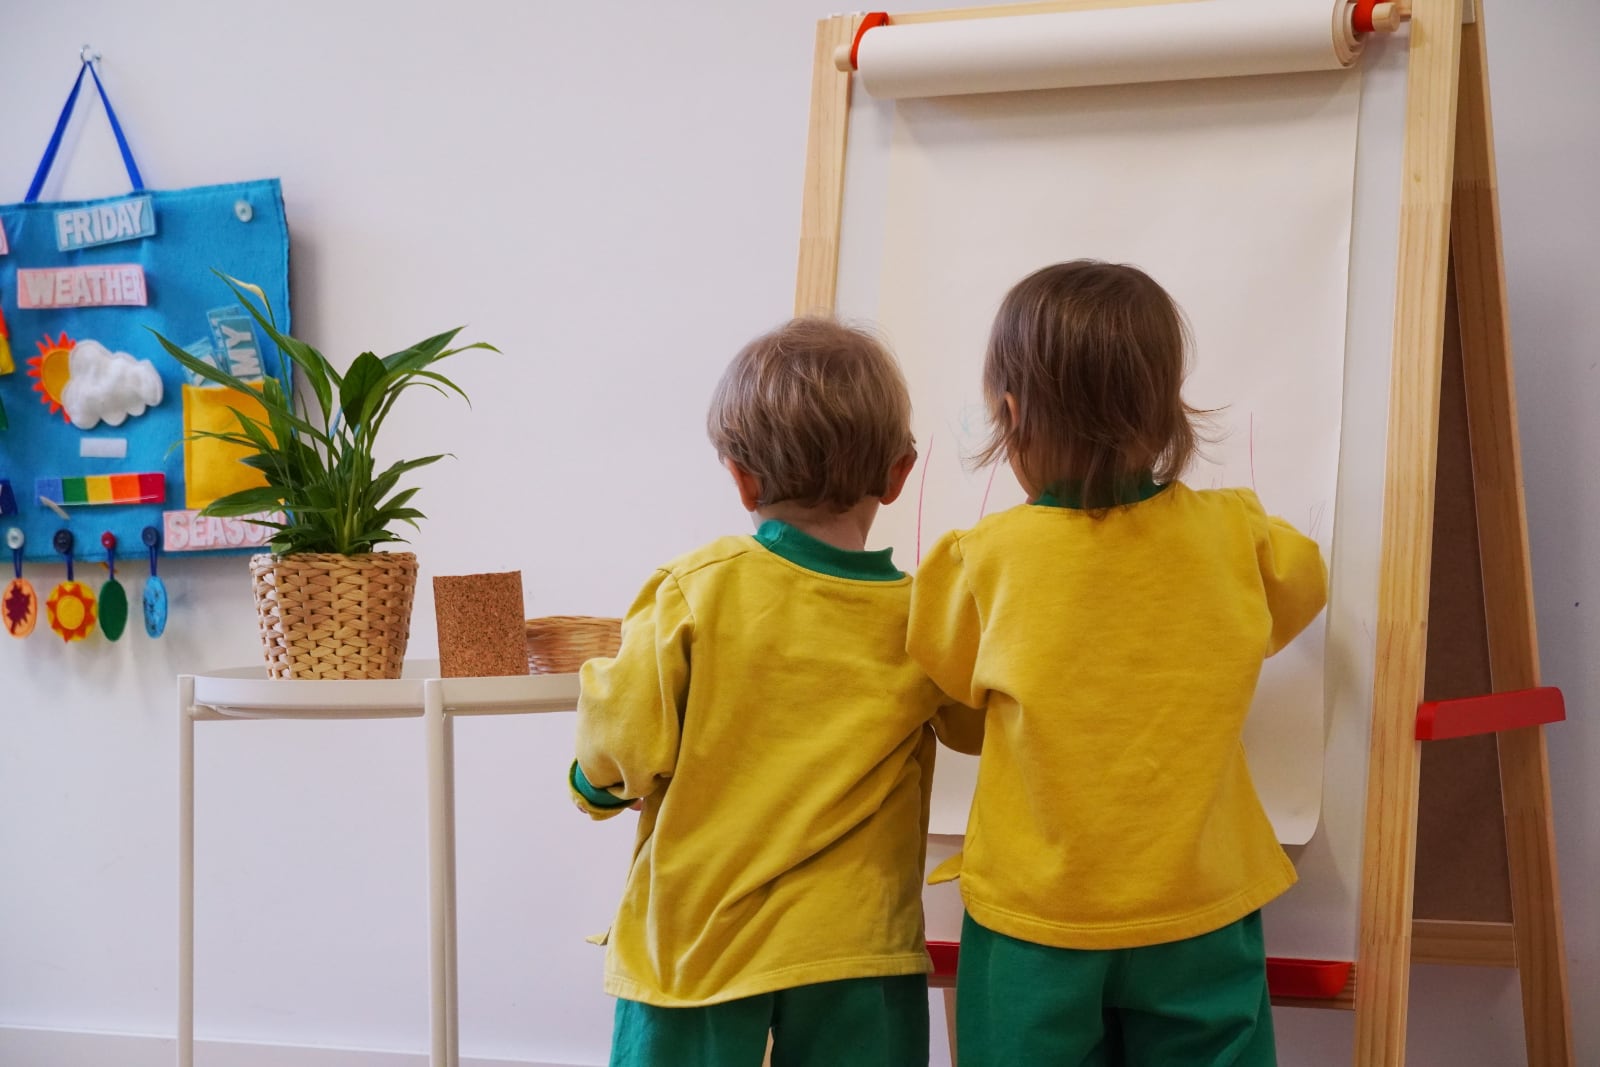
point(1200, 1002)
point(859, 1022)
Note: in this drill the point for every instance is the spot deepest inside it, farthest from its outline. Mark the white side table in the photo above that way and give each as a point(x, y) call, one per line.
point(247, 693)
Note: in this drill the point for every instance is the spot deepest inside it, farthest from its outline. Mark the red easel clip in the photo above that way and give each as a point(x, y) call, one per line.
point(870, 21)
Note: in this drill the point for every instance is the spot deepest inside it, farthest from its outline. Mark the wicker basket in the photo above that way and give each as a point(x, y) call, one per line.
point(331, 616)
point(559, 644)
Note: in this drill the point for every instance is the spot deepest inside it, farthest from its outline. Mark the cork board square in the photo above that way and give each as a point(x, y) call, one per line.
point(480, 625)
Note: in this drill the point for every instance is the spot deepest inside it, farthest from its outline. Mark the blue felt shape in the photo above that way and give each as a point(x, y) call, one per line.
point(193, 232)
point(155, 606)
point(47, 489)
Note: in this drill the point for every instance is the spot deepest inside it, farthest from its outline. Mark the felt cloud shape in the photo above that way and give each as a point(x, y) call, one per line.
point(106, 386)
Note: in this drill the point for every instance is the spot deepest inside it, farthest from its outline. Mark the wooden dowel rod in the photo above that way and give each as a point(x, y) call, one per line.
point(1387, 18)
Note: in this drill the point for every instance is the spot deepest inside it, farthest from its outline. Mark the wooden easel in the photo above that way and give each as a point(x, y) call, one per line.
point(1459, 855)
point(1472, 880)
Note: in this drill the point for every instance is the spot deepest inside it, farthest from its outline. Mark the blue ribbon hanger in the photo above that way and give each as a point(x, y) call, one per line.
point(89, 59)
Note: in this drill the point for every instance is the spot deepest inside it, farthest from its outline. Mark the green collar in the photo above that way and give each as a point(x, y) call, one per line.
point(806, 551)
point(1070, 494)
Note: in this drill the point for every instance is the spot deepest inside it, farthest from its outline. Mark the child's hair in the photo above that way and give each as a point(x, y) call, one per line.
point(1094, 355)
point(817, 411)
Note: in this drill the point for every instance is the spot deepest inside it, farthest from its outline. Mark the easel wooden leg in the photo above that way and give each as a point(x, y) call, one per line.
point(823, 205)
point(1507, 575)
point(1536, 898)
point(1388, 873)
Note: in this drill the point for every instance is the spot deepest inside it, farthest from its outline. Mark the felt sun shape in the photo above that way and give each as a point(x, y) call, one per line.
point(71, 608)
point(51, 369)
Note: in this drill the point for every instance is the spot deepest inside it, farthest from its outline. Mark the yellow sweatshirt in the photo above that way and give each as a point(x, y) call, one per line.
point(1117, 658)
point(764, 706)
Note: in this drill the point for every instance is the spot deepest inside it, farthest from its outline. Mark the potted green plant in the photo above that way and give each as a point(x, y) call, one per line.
point(330, 604)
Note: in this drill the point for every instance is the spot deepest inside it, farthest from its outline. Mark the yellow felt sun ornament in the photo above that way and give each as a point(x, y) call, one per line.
point(71, 611)
point(71, 604)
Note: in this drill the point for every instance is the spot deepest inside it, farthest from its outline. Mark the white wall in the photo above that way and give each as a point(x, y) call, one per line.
point(610, 192)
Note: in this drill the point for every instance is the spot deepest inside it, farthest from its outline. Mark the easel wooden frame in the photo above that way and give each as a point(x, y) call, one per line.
point(1451, 333)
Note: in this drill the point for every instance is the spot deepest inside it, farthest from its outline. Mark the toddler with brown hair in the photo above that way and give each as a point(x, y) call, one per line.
point(1114, 628)
point(765, 710)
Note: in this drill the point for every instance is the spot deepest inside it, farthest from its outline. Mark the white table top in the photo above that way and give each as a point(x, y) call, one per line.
point(247, 693)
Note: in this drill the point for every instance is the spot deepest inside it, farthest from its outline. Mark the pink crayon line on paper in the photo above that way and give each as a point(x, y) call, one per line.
point(922, 492)
point(984, 507)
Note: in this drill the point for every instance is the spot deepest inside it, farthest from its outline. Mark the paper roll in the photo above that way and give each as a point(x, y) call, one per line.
point(1112, 46)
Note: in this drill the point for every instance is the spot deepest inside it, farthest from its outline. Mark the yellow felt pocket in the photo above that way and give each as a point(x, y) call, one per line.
point(211, 469)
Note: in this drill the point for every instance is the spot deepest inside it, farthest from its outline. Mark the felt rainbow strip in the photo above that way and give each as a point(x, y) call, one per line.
point(103, 489)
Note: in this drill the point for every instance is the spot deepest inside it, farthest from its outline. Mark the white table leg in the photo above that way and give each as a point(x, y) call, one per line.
point(451, 956)
point(185, 871)
point(441, 877)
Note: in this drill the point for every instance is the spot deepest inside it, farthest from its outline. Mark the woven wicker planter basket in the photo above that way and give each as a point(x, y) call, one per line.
point(332, 616)
point(559, 644)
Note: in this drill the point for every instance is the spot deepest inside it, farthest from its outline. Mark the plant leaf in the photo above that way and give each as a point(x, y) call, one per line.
point(258, 434)
point(250, 501)
point(218, 435)
point(369, 538)
point(365, 374)
point(388, 515)
point(388, 479)
point(321, 478)
point(399, 500)
point(318, 372)
point(249, 287)
point(266, 464)
point(201, 368)
point(277, 404)
point(427, 350)
point(435, 376)
point(269, 395)
point(484, 345)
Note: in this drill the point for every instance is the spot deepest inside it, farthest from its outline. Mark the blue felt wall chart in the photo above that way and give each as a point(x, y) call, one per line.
point(95, 410)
